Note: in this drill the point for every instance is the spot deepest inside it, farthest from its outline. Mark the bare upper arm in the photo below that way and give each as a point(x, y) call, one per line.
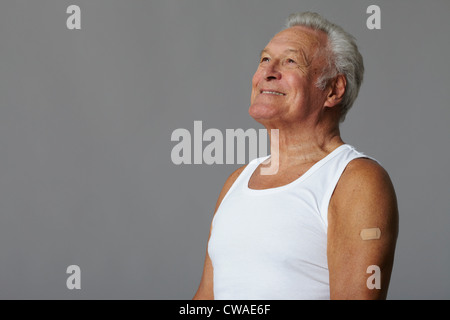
point(364, 198)
point(205, 289)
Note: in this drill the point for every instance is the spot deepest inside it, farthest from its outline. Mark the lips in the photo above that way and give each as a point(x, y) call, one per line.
point(272, 92)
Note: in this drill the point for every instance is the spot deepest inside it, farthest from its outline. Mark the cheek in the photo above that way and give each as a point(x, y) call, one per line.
point(297, 85)
point(256, 78)
point(255, 81)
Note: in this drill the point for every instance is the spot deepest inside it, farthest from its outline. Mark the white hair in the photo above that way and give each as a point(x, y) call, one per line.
point(342, 55)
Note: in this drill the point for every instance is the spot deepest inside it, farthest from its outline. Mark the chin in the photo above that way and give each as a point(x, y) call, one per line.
point(261, 112)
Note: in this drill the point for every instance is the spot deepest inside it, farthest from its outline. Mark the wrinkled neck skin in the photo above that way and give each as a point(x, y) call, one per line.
point(302, 143)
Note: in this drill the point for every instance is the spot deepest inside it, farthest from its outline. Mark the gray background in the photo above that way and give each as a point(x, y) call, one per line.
point(86, 118)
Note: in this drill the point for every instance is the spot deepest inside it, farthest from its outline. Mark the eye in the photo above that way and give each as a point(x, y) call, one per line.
point(290, 61)
point(265, 59)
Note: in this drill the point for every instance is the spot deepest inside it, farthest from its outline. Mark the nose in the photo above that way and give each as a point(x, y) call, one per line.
point(272, 72)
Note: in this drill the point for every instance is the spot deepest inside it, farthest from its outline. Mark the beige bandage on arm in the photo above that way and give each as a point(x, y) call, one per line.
point(370, 234)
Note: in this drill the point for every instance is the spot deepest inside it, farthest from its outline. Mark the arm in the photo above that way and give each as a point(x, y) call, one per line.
point(364, 198)
point(205, 289)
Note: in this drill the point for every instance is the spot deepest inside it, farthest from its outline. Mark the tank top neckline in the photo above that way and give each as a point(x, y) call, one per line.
point(304, 176)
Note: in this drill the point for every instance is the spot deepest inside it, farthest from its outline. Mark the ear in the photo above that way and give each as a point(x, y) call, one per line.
point(336, 91)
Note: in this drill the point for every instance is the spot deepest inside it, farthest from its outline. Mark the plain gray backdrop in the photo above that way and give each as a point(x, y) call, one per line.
point(86, 118)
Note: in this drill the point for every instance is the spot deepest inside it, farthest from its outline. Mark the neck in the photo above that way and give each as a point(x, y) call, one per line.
point(299, 145)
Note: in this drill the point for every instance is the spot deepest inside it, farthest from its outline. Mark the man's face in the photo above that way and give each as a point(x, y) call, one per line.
point(283, 86)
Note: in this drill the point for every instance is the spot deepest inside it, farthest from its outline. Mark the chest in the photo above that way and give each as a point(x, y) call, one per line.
point(282, 226)
point(283, 177)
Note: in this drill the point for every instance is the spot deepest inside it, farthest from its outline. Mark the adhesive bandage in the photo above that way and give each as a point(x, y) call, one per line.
point(370, 234)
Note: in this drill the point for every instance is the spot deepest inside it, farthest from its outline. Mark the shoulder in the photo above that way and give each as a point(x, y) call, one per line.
point(235, 174)
point(232, 178)
point(365, 186)
point(228, 183)
point(365, 176)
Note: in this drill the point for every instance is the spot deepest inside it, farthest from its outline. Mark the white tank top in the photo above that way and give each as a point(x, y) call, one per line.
point(272, 243)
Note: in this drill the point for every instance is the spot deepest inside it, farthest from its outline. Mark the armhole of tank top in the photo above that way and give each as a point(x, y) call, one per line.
point(333, 184)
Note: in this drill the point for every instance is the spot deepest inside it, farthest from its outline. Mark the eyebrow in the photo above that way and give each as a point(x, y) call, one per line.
point(287, 50)
point(301, 53)
point(263, 51)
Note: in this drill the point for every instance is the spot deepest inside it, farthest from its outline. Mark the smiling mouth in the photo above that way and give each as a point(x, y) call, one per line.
point(273, 92)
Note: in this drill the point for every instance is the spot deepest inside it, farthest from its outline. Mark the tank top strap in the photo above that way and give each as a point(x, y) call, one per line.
point(245, 175)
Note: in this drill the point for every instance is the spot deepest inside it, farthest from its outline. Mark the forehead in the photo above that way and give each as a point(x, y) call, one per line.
point(299, 37)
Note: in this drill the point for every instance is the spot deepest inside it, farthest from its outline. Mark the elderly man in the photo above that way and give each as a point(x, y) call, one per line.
point(323, 223)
